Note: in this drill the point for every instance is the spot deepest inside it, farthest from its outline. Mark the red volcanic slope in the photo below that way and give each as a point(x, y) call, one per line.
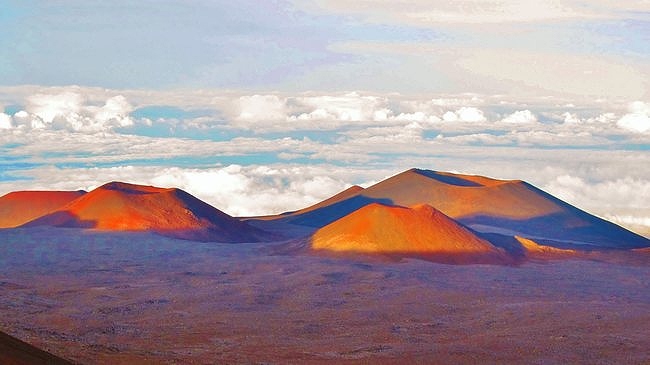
point(419, 230)
point(461, 196)
point(173, 212)
point(532, 248)
point(20, 207)
point(458, 196)
point(511, 207)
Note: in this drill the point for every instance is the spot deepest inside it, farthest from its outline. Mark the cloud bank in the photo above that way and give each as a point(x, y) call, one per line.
point(252, 154)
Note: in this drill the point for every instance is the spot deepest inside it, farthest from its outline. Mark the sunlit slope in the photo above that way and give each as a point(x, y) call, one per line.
point(509, 207)
point(461, 196)
point(173, 212)
point(421, 229)
point(534, 249)
point(20, 207)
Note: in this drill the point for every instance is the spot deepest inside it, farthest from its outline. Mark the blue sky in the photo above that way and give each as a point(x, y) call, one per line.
point(264, 106)
point(392, 46)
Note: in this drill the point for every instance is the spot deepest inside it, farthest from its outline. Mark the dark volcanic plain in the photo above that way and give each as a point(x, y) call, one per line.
point(125, 298)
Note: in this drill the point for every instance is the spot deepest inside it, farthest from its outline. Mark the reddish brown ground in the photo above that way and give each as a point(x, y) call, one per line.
point(99, 298)
point(20, 207)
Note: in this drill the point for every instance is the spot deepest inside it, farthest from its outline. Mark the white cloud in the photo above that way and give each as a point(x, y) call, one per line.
point(629, 220)
point(421, 117)
point(48, 107)
point(234, 189)
point(70, 110)
point(74, 147)
point(437, 12)
point(277, 112)
point(520, 117)
point(351, 107)
point(625, 200)
point(370, 136)
point(5, 121)
point(638, 118)
point(261, 108)
point(465, 114)
point(114, 113)
point(571, 118)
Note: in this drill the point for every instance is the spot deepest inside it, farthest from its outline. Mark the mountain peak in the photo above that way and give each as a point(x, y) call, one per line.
point(461, 180)
point(418, 230)
point(118, 206)
point(129, 188)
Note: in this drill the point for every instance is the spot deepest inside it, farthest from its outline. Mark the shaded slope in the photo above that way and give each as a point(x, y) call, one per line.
point(503, 206)
point(305, 221)
point(172, 212)
point(16, 352)
point(509, 207)
point(343, 195)
point(20, 207)
point(340, 196)
point(419, 230)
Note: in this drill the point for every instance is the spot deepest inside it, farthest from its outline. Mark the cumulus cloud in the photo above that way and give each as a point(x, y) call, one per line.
point(274, 112)
point(638, 118)
point(626, 195)
point(370, 136)
point(571, 118)
point(258, 190)
point(260, 108)
point(418, 116)
point(5, 121)
point(465, 114)
point(70, 110)
point(350, 107)
point(520, 117)
point(235, 189)
point(328, 112)
point(630, 220)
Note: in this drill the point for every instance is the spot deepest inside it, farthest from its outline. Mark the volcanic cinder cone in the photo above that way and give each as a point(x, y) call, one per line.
point(504, 206)
point(172, 212)
point(420, 230)
point(20, 207)
point(509, 207)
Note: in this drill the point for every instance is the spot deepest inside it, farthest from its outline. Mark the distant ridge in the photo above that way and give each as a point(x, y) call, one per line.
point(20, 207)
point(171, 212)
point(500, 209)
point(507, 207)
